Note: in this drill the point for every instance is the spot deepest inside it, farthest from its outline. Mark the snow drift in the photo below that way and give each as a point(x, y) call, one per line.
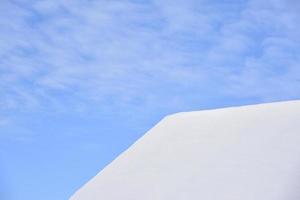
point(240, 153)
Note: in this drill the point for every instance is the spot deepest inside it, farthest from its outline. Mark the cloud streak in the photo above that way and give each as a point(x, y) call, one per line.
point(63, 53)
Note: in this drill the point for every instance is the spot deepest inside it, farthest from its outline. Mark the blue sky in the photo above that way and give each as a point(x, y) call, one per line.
point(82, 80)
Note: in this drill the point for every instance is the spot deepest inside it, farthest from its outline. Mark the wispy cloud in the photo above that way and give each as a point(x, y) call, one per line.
point(55, 53)
point(4, 121)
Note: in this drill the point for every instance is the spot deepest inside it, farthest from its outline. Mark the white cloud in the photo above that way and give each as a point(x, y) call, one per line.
point(270, 72)
point(4, 122)
point(70, 52)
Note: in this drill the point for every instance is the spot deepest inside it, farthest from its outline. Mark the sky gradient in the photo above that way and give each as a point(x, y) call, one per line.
point(82, 80)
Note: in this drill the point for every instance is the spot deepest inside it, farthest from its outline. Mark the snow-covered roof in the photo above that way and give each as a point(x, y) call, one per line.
point(239, 153)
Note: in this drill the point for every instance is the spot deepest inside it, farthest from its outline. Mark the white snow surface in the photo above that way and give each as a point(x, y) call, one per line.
point(239, 153)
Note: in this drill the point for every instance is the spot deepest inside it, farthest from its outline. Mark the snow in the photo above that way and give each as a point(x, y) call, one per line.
point(239, 153)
